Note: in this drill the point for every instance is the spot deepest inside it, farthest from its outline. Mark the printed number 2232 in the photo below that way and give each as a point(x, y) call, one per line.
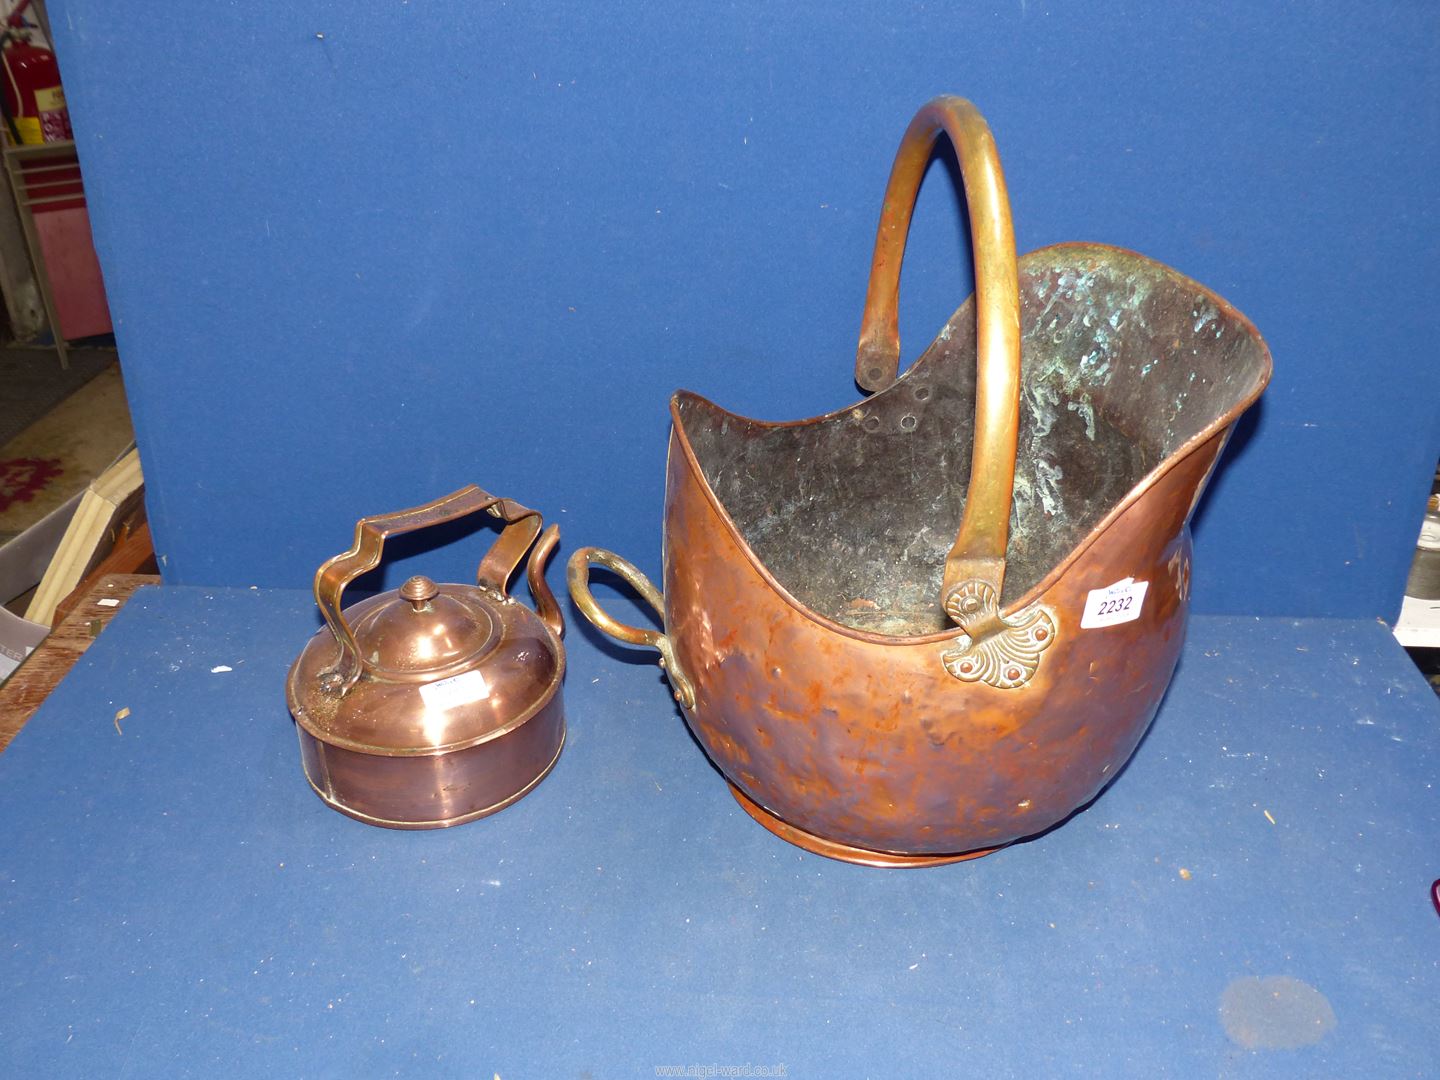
point(1119, 603)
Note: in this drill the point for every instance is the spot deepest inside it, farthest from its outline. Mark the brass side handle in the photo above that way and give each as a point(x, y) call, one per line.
point(578, 576)
point(978, 554)
point(496, 568)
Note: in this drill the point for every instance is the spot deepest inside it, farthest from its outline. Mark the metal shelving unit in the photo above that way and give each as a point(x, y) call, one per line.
point(39, 167)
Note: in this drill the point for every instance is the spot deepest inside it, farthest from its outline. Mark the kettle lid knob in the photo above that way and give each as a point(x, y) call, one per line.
point(419, 590)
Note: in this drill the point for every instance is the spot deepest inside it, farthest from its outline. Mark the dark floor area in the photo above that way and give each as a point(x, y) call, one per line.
point(34, 382)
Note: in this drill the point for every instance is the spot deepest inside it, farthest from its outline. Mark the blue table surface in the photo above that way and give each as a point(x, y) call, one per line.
point(175, 900)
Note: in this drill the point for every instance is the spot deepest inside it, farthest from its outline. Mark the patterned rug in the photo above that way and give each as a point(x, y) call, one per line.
point(21, 479)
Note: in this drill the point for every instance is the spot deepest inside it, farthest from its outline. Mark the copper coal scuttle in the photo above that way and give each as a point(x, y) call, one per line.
point(432, 705)
point(937, 621)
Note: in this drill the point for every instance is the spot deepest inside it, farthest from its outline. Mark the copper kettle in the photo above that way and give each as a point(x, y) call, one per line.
point(432, 705)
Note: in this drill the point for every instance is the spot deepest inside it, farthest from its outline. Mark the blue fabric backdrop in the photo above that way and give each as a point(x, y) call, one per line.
point(360, 254)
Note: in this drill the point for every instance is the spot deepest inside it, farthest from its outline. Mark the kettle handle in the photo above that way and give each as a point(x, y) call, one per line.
point(496, 568)
point(976, 562)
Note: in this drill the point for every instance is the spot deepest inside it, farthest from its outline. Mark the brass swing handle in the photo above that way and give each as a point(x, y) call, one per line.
point(496, 568)
point(578, 576)
point(977, 559)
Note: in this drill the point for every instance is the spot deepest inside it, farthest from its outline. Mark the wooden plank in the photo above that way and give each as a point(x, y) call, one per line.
point(43, 669)
point(133, 554)
point(117, 491)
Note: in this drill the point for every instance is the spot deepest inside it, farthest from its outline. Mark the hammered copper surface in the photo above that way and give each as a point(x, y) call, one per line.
point(883, 676)
point(873, 743)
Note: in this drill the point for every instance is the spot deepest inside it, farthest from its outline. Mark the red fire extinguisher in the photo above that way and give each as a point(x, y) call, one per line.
point(34, 99)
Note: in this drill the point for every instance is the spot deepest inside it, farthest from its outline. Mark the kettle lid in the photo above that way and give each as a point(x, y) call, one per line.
point(418, 630)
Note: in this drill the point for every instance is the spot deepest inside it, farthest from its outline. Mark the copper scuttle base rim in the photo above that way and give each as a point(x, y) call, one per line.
point(834, 849)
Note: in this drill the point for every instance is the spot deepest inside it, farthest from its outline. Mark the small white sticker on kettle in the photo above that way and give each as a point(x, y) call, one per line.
point(457, 690)
point(1115, 604)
